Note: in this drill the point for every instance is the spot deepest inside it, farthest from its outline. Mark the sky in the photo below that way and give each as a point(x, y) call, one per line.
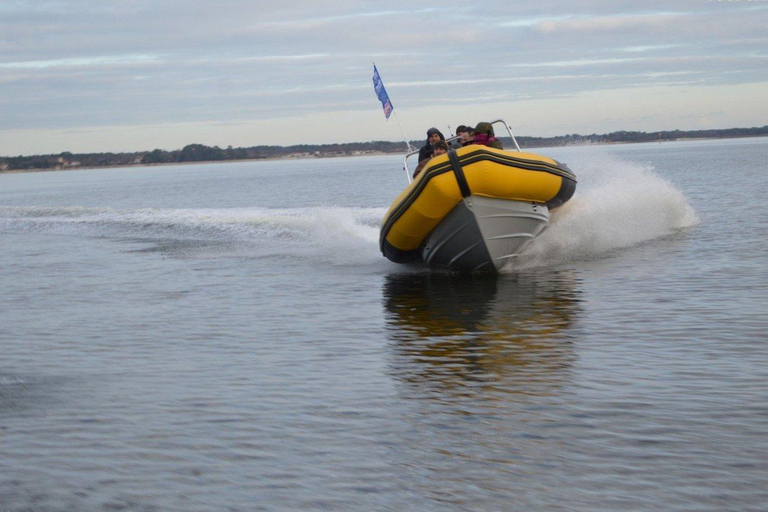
point(133, 75)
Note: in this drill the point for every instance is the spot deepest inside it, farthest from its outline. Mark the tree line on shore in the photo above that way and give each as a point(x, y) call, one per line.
point(202, 153)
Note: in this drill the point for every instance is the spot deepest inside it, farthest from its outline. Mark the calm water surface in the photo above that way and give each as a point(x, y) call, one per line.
point(228, 337)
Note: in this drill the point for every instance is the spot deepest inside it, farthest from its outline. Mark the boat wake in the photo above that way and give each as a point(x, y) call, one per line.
point(335, 235)
point(618, 204)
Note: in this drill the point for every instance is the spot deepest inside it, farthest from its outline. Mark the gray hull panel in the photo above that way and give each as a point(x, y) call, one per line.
point(483, 234)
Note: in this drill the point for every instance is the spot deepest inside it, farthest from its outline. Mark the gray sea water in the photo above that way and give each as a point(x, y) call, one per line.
point(228, 337)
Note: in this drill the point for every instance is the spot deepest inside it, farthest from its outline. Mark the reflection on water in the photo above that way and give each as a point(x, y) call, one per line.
point(460, 336)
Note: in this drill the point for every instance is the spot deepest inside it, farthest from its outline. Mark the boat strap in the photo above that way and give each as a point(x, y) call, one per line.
point(459, 172)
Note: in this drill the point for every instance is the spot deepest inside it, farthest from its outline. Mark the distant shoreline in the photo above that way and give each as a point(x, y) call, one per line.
point(200, 162)
point(200, 154)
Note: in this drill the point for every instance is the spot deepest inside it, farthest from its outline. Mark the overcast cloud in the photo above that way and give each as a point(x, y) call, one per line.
point(86, 75)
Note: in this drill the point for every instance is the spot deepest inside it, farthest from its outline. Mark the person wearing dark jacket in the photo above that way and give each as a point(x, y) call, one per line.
point(433, 135)
point(441, 148)
point(466, 136)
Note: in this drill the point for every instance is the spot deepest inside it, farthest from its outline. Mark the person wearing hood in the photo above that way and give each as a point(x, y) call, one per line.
point(433, 135)
point(484, 136)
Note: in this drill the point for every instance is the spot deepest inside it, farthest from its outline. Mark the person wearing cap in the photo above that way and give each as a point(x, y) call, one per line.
point(441, 148)
point(433, 135)
point(484, 136)
point(465, 136)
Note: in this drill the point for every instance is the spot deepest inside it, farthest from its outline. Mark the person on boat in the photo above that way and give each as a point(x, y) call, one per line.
point(484, 136)
point(441, 148)
point(433, 135)
point(465, 136)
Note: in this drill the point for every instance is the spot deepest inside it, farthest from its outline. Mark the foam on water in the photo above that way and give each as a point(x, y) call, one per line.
point(617, 204)
point(337, 235)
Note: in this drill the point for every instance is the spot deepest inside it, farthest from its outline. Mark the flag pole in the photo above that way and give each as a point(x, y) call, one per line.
point(410, 148)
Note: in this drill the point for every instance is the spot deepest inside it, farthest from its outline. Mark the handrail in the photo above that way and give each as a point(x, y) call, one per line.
point(451, 139)
point(405, 163)
point(509, 130)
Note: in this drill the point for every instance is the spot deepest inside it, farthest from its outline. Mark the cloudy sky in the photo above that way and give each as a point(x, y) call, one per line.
point(126, 75)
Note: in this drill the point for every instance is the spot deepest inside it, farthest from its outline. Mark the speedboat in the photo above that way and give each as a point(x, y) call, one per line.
point(474, 208)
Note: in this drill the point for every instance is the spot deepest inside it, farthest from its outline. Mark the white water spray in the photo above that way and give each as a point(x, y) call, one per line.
point(617, 204)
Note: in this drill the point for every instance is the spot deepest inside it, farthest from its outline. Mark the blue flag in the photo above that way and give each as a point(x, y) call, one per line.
point(381, 92)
